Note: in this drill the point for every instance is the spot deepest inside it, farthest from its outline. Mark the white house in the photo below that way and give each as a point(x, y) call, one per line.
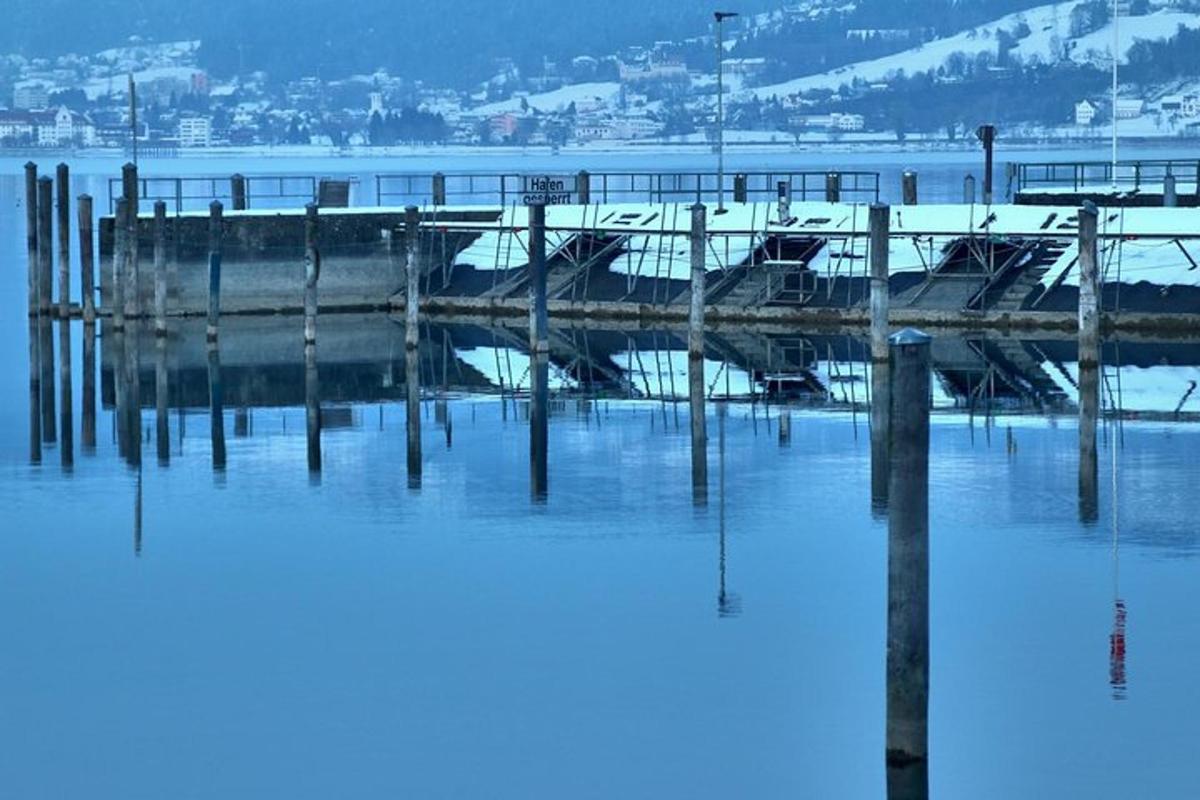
point(58, 128)
point(1085, 113)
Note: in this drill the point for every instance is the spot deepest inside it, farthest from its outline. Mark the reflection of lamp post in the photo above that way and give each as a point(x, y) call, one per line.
point(720, 17)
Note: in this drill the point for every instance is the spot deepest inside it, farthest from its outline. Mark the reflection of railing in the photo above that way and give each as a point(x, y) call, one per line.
point(626, 187)
point(1098, 175)
point(193, 193)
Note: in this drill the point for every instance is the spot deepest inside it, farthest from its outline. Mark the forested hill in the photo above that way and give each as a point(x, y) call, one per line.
point(451, 42)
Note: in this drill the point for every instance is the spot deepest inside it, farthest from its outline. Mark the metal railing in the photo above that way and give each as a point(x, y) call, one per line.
point(1097, 175)
point(194, 193)
point(626, 187)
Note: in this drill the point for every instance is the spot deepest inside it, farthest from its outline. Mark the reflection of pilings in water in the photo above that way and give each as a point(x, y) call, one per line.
point(67, 445)
point(35, 395)
point(539, 426)
point(133, 393)
point(162, 416)
point(908, 552)
point(312, 409)
point(46, 363)
point(88, 424)
point(137, 516)
point(881, 393)
point(728, 603)
point(412, 389)
point(699, 430)
point(785, 428)
point(1089, 405)
point(120, 391)
point(216, 407)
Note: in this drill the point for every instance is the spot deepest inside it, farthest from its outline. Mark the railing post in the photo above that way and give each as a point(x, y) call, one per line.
point(63, 185)
point(216, 236)
point(237, 191)
point(696, 312)
point(87, 260)
point(880, 225)
point(908, 183)
point(439, 189)
point(740, 191)
point(583, 185)
point(312, 273)
point(160, 268)
point(1170, 195)
point(833, 187)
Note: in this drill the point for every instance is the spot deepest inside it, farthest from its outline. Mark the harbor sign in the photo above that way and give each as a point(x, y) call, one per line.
point(549, 190)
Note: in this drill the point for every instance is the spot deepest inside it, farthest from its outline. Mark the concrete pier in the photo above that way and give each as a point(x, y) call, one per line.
point(908, 551)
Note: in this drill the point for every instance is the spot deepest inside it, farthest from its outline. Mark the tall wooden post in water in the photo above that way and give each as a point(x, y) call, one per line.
point(132, 267)
point(63, 187)
point(880, 224)
point(699, 243)
point(699, 424)
point(215, 243)
point(312, 273)
point(45, 243)
point(908, 552)
point(1089, 285)
point(87, 259)
point(1089, 361)
point(120, 253)
point(539, 320)
point(412, 270)
point(160, 269)
point(31, 231)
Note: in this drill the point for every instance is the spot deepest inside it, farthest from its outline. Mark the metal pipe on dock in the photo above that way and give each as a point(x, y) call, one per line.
point(215, 242)
point(908, 552)
point(63, 186)
point(699, 244)
point(908, 186)
point(87, 259)
point(45, 243)
point(312, 273)
point(237, 191)
point(833, 187)
point(31, 232)
point(412, 270)
point(880, 224)
point(160, 269)
point(539, 321)
point(1089, 286)
point(539, 426)
point(312, 409)
point(699, 426)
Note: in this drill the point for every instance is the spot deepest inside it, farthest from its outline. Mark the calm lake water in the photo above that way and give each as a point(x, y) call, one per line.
point(224, 622)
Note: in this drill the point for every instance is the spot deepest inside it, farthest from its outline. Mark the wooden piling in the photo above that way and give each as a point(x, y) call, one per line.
point(969, 190)
point(699, 426)
point(160, 268)
point(539, 426)
point(120, 254)
point(583, 185)
point(881, 409)
point(312, 409)
point(237, 191)
point(45, 244)
point(908, 185)
point(908, 551)
point(880, 223)
point(412, 270)
point(699, 245)
point(740, 188)
point(539, 322)
point(312, 273)
point(87, 259)
point(987, 135)
point(31, 232)
point(1089, 286)
point(63, 187)
point(66, 406)
point(833, 187)
point(87, 425)
point(1170, 195)
point(1089, 409)
point(215, 243)
point(132, 266)
point(439, 189)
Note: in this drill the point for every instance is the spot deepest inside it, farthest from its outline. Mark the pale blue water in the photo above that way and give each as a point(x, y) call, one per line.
point(279, 636)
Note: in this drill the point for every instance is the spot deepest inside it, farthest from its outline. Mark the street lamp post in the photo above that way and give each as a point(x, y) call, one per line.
point(720, 17)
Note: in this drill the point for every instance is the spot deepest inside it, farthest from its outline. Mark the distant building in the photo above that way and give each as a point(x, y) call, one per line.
point(1085, 113)
point(651, 71)
point(376, 100)
point(31, 95)
point(195, 132)
point(1129, 109)
point(846, 122)
point(59, 128)
point(503, 126)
